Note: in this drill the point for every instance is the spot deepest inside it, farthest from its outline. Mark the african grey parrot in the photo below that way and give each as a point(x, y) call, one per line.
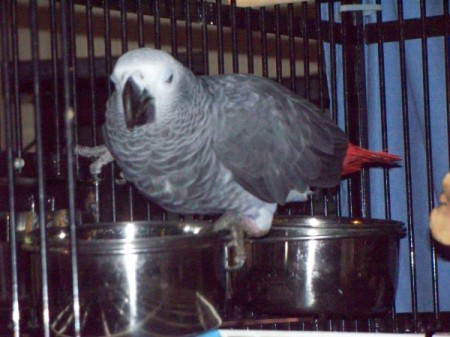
point(235, 144)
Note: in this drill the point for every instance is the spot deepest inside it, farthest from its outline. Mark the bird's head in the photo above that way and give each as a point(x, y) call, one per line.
point(148, 82)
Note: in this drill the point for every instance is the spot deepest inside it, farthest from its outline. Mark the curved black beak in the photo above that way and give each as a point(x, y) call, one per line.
point(138, 105)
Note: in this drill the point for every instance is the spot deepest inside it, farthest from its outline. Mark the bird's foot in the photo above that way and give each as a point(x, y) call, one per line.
point(234, 223)
point(102, 155)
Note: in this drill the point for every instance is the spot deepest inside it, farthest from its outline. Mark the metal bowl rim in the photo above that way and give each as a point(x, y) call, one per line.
point(287, 228)
point(321, 221)
point(126, 245)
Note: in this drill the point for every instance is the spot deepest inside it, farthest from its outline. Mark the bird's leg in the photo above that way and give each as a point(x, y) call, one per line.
point(233, 222)
point(90, 151)
point(101, 153)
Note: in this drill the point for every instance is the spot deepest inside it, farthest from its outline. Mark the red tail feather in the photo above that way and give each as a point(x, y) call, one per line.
point(356, 157)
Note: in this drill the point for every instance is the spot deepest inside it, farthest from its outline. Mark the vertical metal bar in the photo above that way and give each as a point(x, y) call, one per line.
point(291, 41)
point(73, 62)
point(330, 325)
point(205, 54)
point(320, 56)
point(72, 65)
point(173, 28)
point(124, 43)
point(54, 62)
point(107, 43)
point(234, 42)
point(355, 104)
point(39, 161)
point(320, 64)
point(426, 98)
point(6, 94)
point(140, 23)
point(447, 69)
point(305, 43)
point(345, 34)
point(14, 125)
point(333, 67)
point(157, 44)
point(108, 69)
point(382, 80)
point(407, 161)
point(220, 48)
point(17, 111)
point(69, 116)
point(249, 30)
point(131, 202)
point(91, 70)
point(428, 149)
point(188, 22)
point(278, 53)
point(384, 134)
point(333, 80)
point(123, 26)
point(263, 31)
point(141, 43)
point(157, 24)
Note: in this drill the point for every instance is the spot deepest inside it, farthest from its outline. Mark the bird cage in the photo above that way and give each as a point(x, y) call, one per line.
point(380, 69)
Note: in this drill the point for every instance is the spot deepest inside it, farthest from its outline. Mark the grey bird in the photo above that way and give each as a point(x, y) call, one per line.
point(229, 144)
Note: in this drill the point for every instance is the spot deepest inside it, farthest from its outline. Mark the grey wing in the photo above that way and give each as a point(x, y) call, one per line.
point(272, 140)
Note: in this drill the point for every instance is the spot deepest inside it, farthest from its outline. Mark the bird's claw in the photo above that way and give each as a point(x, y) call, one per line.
point(232, 222)
point(102, 155)
point(95, 169)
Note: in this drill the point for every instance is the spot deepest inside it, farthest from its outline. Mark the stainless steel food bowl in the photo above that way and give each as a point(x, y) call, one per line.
point(136, 278)
point(321, 265)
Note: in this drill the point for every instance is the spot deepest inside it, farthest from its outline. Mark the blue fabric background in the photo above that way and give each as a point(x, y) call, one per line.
point(212, 333)
point(395, 122)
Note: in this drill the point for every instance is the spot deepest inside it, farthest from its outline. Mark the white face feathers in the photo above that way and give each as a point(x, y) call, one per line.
point(147, 67)
point(147, 80)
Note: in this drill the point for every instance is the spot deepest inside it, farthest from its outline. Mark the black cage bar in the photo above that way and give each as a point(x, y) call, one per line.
point(56, 58)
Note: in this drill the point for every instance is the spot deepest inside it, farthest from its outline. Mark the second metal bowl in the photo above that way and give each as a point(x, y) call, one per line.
point(321, 265)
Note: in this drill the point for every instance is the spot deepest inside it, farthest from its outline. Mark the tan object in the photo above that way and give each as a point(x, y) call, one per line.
point(440, 216)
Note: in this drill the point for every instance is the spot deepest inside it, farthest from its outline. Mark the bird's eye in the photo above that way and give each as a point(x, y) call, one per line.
point(169, 79)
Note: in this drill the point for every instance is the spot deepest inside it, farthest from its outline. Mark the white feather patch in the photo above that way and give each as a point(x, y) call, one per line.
point(295, 195)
